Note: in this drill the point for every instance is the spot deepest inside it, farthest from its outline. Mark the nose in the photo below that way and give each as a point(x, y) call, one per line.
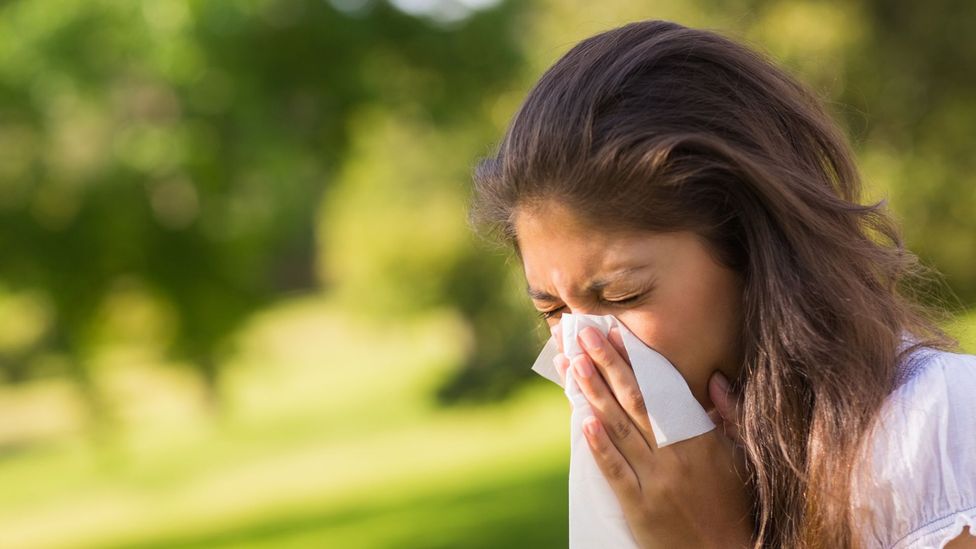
point(585, 304)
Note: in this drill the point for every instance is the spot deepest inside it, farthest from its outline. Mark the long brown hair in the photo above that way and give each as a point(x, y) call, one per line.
point(660, 127)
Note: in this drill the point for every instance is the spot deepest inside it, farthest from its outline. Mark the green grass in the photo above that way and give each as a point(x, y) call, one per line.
point(329, 440)
point(515, 510)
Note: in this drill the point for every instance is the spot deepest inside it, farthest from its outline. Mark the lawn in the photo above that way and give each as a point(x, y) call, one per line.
point(327, 439)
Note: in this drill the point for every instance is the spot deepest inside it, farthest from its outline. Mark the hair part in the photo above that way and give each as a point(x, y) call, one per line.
point(659, 127)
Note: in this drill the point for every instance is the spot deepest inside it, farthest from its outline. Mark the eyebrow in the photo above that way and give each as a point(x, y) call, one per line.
point(594, 286)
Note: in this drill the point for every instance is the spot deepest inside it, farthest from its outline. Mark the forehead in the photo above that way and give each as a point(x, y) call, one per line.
point(557, 247)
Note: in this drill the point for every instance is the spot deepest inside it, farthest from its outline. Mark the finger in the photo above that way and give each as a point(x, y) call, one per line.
point(561, 362)
point(726, 404)
point(620, 427)
point(618, 343)
point(620, 377)
point(615, 468)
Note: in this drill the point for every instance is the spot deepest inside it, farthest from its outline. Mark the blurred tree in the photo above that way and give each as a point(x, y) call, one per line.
point(914, 76)
point(183, 144)
point(896, 74)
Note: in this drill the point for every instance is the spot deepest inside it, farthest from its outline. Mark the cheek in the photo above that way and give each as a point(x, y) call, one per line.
point(676, 324)
point(690, 328)
point(668, 332)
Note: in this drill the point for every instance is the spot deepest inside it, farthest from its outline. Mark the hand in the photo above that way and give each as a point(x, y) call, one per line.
point(691, 493)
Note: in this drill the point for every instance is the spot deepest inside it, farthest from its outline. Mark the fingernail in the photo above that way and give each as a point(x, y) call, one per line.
point(583, 367)
point(556, 363)
point(591, 340)
point(591, 426)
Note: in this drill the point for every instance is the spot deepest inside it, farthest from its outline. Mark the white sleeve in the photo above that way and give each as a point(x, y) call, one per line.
point(920, 490)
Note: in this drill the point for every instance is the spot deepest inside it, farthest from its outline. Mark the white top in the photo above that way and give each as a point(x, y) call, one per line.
point(923, 457)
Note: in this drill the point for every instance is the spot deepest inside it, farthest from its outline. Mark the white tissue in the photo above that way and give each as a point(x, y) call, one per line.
point(595, 517)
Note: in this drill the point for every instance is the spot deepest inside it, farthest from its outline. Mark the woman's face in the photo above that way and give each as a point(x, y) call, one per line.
point(665, 287)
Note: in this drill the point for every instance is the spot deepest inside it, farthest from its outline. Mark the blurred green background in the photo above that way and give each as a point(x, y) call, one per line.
point(239, 304)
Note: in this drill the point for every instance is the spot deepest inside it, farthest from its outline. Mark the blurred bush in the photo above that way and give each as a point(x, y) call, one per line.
point(162, 163)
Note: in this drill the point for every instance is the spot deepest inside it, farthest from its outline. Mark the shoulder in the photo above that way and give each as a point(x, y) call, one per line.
point(917, 485)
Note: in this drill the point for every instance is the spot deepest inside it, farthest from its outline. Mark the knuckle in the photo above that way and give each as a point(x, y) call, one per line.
point(599, 355)
point(635, 401)
point(622, 428)
point(616, 470)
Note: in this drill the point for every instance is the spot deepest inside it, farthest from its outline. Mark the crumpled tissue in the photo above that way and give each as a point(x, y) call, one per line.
point(596, 519)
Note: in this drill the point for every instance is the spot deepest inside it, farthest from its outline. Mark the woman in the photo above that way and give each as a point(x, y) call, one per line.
point(683, 183)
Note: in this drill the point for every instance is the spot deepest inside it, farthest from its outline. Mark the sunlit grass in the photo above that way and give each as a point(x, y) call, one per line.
point(328, 434)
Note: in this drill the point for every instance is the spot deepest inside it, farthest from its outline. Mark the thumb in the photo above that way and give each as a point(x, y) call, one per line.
point(726, 404)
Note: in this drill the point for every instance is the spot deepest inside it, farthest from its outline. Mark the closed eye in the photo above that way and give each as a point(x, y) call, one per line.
point(624, 301)
point(546, 315)
point(613, 302)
